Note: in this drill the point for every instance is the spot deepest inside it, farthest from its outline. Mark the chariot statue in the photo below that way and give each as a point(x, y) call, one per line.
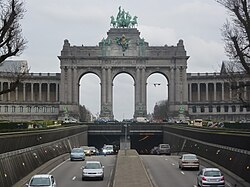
point(123, 19)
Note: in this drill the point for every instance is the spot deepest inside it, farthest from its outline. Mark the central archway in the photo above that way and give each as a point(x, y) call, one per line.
point(123, 91)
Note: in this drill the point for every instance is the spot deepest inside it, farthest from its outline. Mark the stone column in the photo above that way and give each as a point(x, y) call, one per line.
point(32, 91)
point(184, 85)
point(57, 92)
point(198, 92)
point(222, 91)
point(75, 86)
point(143, 89)
point(69, 88)
point(190, 92)
point(40, 91)
point(8, 92)
point(206, 91)
point(16, 90)
point(109, 86)
point(172, 86)
point(48, 92)
point(24, 92)
point(215, 92)
point(177, 85)
point(103, 86)
point(62, 85)
point(137, 92)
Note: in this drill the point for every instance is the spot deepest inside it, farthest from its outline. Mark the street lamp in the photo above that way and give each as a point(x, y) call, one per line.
point(125, 138)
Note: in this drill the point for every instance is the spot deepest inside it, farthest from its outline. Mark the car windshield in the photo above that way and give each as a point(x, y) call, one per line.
point(189, 157)
point(92, 166)
point(77, 151)
point(40, 182)
point(212, 173)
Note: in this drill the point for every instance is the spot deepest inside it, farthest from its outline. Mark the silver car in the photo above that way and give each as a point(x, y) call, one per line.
point(93, 170)
point(189, 161)
point(77, 154)
point(163, 149)
point(44, 180)
point(210, 177)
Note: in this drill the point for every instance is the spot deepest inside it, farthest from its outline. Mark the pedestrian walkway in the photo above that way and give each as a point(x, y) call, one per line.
point(130, 170)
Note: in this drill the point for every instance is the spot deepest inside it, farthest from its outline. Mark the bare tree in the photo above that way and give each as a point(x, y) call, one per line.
point(12, 42)
point(236, 35)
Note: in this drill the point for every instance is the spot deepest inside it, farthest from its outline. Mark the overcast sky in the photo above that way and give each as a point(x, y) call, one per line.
point(198, 22)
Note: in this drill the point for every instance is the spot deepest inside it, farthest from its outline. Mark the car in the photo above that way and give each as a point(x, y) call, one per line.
point(189, 161)
point(163, 149)
point(108, 149)
point(93, 170)
point(87, 150)
point(93, 150)
point(210, 177)
point(77, 154)
point(44, 180)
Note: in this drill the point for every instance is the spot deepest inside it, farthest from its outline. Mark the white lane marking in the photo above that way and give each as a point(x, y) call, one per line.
point(173, 164)
point(73, 178)
point(228, 184)
point(57, 166)
point(182, 173)
point(166, 159)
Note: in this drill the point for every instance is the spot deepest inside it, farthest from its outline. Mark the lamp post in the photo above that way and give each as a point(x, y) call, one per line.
point(125, 138)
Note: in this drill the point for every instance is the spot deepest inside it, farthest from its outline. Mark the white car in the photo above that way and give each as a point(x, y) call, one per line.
point(93, 170)
point(44, 180)
point(210, 177)
point(189, 161)
point(108, 149)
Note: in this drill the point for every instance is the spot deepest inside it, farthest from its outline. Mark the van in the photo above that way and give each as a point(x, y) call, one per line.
point(164, 149)
point(142, 120)
point(198, 122)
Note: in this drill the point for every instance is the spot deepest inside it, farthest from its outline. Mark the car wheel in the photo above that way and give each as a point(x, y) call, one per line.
point(83, 178)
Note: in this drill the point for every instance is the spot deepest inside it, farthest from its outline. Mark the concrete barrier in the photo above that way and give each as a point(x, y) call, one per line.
point(16, 165)
point(235, 160)
point(130, 170)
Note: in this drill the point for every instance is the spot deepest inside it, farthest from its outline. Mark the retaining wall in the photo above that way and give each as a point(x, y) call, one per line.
point(16, 165)
point(234, 159)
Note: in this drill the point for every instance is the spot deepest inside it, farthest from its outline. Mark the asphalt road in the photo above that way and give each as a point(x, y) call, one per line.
point(68, 173)
point(164, 172)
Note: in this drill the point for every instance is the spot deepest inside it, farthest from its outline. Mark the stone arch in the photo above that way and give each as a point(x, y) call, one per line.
point(127, 103)
point(154, 85)
point(109, 58)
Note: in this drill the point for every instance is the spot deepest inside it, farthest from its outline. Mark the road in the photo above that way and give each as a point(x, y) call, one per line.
point(68, 173)
point(164, 172)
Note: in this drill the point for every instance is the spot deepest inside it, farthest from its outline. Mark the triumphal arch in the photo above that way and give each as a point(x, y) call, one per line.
point(123, 51)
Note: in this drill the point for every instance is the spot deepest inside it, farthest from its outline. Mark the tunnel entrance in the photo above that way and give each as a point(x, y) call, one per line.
point(141, 143)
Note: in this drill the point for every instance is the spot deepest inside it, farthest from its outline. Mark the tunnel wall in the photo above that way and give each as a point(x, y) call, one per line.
point(15, 165)
point(233, 159)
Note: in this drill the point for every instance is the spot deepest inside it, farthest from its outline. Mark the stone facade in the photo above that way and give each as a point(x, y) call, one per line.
point(36, 98)
point(47, 95)
point(123, 51)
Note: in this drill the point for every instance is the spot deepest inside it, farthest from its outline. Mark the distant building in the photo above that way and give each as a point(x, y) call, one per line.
point(36, 98)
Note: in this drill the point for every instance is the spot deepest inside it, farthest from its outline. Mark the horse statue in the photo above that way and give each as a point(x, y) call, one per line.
point(113, 22)
point(134, 21)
